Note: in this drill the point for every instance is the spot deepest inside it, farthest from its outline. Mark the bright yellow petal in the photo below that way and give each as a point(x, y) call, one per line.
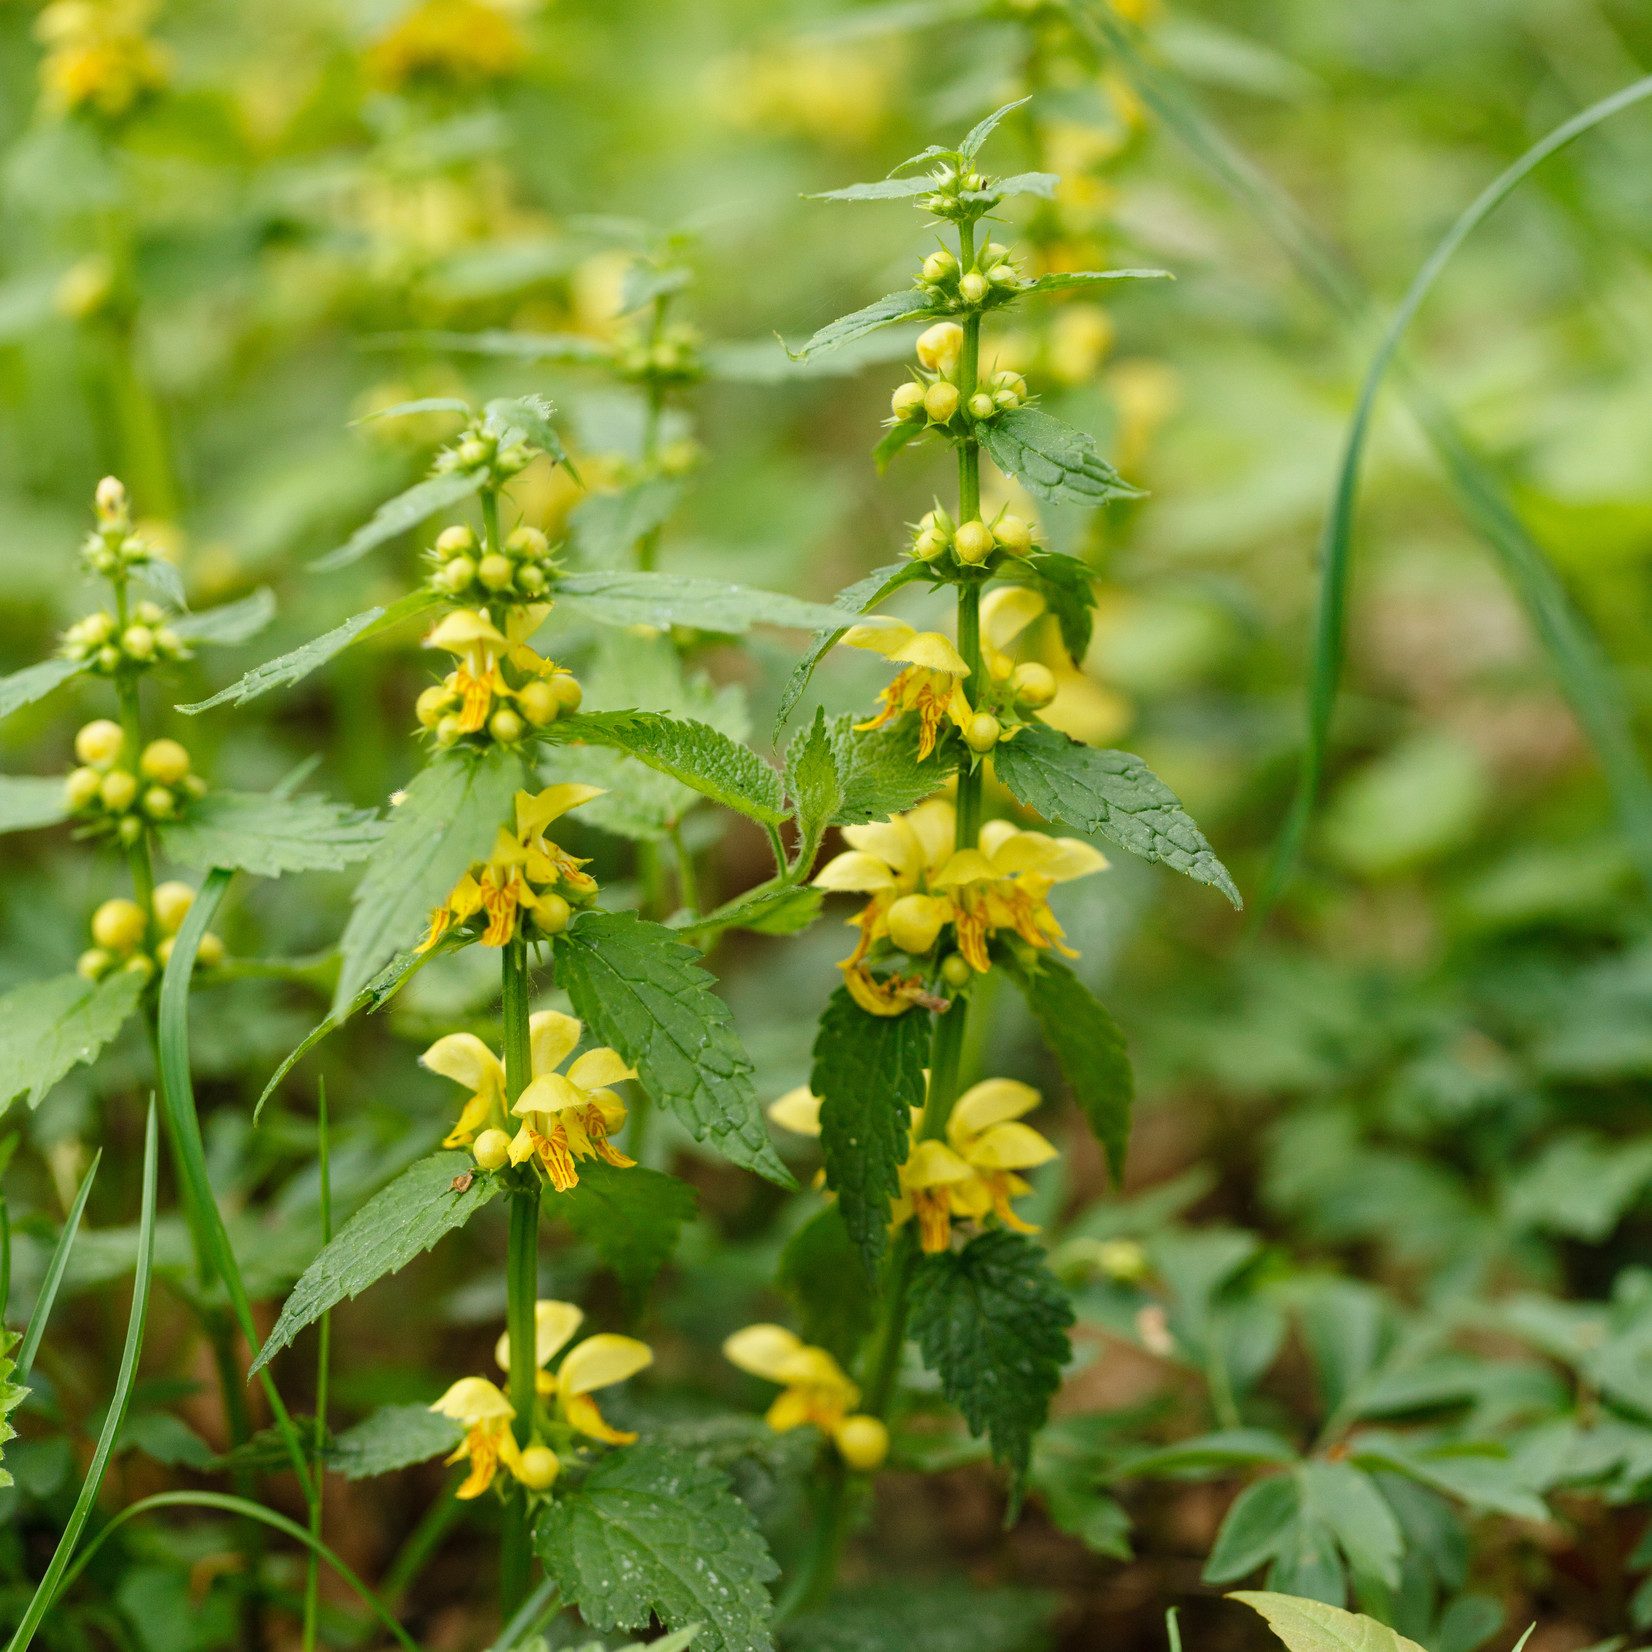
point(552, 1038)
point(995, 834)
point(553, 1323)
point(814, 1368)
point(521, 1146)
point(1010, 1147)
point(471, 1119)
point(465, 1059)
point(581, 1411)
point(933, 1164)
point(986, 1104)
point(790, 1410)
point(891, 841)
point(967, 866)
point(463, 629)
point(1007, 611)
point(473, 1400)
point(521, 623)
point(549, 1093)
point(599, 1067)
point(854, 871)
point(933, 652)
point(602, 1360)
point(534, 814)
point(798, 1111)
point(1056, 858)
point(878, 639)
point(935, 824)
point(762, 1349)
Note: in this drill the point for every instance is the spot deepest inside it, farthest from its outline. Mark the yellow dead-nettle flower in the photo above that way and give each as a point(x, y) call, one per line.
point(486, 1415)
point(569, 1116)
point(930, 684)
point(521, 873)
point(481, 645)
point(814, 1390)
point(597, 1362)
point(450, 40)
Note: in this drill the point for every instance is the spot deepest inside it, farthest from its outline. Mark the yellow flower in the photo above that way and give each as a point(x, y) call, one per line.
point(569, 1116)
point(985, 1131)
point(814, 1389)
point(465, 1059)
point(486, 1415)
point(798, 1111)
point(98, 55)
point(481, 645)
point(519, 873)
point(597, 1362)
point(930, 684)
point(459, 40)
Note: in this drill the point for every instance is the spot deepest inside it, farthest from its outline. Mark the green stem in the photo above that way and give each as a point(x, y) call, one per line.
point(521, 1278)
point(490, 519)
point(312, 1580)
point(688, 887)
point(817, 1576)
point(137, 852)
point(422, 1542)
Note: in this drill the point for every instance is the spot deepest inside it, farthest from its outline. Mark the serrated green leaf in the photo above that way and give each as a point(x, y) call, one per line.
point(1060, 280)
point(770, 909)
point(608, 526)
point(12, 1394)
point(448, 818)
point(1253, 1529)
point(884, 189)
point(27, 801)
point(1021, 183)
point(229, 622)
point(298, 663)
point(269, 835)
point(398, 1223)
point(882, 773)
point(1066, 584)
point(984, 128)
point(1314, 1626)
point(1051, 459)
point(813, 781)
point(650, 1532)
point(869, 1074)
point(49, 1026)
point(394, 1436)
point(992, 1322)
point(1110, 792)
point(910, 305)
point(625, 598)
point(422, 404)
point(631, 1218)
point(690, 751)
point(1086, 1042)
point(639, 989)
point(893, 440)
point(406, 511)
point(35, 682)
point(528, 419)
point(909, 1616)
point(828, 1290)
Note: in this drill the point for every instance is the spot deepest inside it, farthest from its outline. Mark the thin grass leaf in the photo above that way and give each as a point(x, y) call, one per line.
point(45, 1595)
point(47, 1294)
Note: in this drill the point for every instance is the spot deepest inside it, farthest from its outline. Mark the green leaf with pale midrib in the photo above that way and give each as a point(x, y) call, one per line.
point(269, 835)
point(627, 598)
point(47, 1027)
point(883, 189)
point(814, 781)
point(407, 510)
point(639, 989)
point(1051, 459)
point(398, 1223)
point(1059, 280)
point(298, 663)
point(34, 682)
point(1110, 792)
point(1314, 1626)
point(394, 1436)
point(910, 305)
point(229, 623)
point(688, 750)
point(27, 801)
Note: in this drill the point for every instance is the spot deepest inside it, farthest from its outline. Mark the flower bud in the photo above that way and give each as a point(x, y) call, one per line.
point(139, 964)
point(81, 787)
point(930, 544)
point(492, 1149)
point(862, 1441)
point(940, 346)
point(119, 791)
point(210, 954)
point(940, 265)
point(431, 703)
point(171, 902)
point(915, 921)
point(552, 914)
point(159, 803)
point(531, 577)
point(537, 702)
point(505, 726)
point(195, 785)
point(448, 730)
point(1003, 275)
point(494, 571)
point(110, 500)
point(1122, 1259)
point(164, 760)
point(138, 641)
point(973, 288)
point(1011, 381)
point(108, 657)
point(149, 613)
point(451, 542)
point(129, 830)
point(119, 925)
point(1033, 684)
point(982, 406)
point(94, 963)
point(99, 743)
point(982, 734)
point(941, 401)
point(568, 692)
point(96, 629)
point(538, 1467)
point(993, 251)
point(1013, 534)
point(473, 451)
point(528, 541)
point(907, 401)
point(454, 576)
point(956, 970)
point(940, 518)
point(973, 541)
point(169, 643)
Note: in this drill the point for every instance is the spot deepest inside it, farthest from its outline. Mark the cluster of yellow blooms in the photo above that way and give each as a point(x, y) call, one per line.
point(474, 695)
point(519, 875)
point(567, 1409)
point(814, 1389)
point(115, 799)
point(972, 1173)
point(919, 883)
point(565, 1116)
point(98, 56)
point(121, 929)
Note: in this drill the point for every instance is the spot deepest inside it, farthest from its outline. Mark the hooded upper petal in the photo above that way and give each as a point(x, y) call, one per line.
point(1007, 611)
point(599, 1067)
point(464, 1058)
point(601, 1360)
point(798, 1111)
point(473, 1400)
point(855, 870)
point(762, 1350)
point(1010, 1146)
point(991, 1102)
point(463, 629)
point(552, 1037)
point(549, 1093)
point(535, 813)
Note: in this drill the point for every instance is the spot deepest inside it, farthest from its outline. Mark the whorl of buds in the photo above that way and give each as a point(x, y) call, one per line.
point(518, 572)
point(144, 642)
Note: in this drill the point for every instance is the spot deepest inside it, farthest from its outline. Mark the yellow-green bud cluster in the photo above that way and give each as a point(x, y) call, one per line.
point(106, 648)
point(671, 358)
point(934, 399)
point(115, 797)
point(112, 549)
point(973, 543)
point(992, 280)
point(538, 702)
point(521, 571)
point(477, 449)
point(122, 935)
point(960, 194)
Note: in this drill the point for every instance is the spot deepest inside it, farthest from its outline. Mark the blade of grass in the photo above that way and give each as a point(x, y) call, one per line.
point(1579, 662)
point(178, 1095)
point(251, 1511)
point(54, 1271)
point(116, 1414)
point(529, 1618)
point(312, 1580)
